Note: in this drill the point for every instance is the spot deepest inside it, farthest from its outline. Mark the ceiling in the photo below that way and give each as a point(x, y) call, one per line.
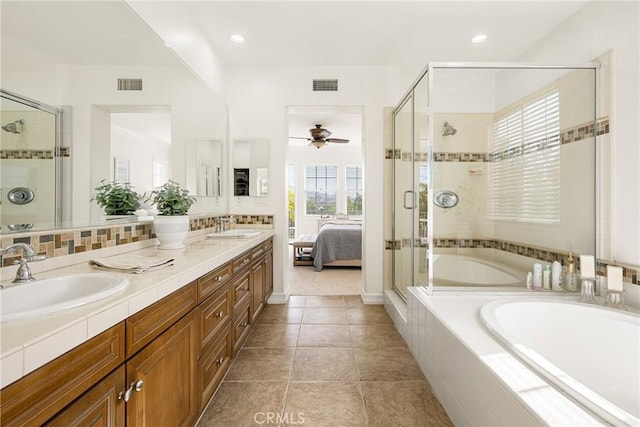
point(309, 33)
point(316, 33)
point(403, 34)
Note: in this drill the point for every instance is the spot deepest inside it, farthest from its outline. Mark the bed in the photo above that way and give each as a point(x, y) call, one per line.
point(339, 243)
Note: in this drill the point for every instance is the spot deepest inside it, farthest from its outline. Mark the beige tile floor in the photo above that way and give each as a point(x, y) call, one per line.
point(303, 280)
point(324, 361)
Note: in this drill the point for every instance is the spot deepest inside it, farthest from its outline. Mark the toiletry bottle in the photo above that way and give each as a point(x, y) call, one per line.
point(537, 277)
point(571, 278)
point(546, 277)
point(556, 271)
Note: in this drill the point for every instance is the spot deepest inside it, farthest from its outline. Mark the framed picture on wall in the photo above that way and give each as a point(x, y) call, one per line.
point(121, 169)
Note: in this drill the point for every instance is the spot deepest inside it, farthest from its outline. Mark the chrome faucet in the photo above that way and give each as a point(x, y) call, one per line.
point(223, 223)
point(23, 274)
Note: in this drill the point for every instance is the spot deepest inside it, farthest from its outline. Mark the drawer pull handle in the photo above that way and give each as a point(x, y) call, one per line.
point(246, 288)
point(134, 386)
point(244, 324)
point(220, 314)
point(218, 279)
point(219, 361)
point(244, 261)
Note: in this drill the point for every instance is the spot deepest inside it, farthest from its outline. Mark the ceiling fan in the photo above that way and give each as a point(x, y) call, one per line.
point(320, 137)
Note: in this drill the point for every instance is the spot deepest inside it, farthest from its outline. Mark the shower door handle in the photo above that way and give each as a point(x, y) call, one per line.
point(413, 200)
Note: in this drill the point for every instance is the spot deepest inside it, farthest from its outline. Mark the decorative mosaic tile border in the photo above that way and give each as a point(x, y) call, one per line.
point(566, 136)
point(34, 154)
point(73, 241)
point(462, 157)
point(584, 131)
point(630, 272)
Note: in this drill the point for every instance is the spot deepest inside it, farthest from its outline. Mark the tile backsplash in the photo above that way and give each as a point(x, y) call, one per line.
point(57, 243)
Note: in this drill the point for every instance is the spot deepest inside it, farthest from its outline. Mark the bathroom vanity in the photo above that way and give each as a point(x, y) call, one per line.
point(161, 364)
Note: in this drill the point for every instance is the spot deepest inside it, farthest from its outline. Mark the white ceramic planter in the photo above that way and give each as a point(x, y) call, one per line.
point(171, 231)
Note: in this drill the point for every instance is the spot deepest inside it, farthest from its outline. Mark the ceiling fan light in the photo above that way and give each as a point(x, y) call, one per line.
point(318, 144)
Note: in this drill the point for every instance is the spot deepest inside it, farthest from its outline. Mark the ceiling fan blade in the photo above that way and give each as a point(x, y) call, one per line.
point(338, 140)
point(299, 137)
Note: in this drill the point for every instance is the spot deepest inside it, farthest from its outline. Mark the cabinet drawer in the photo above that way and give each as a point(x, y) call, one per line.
point(268, 244)
point(241, 262)
point(213, 315)
point(212, 366)
point(211, 282)
point(241, 326)
point(241, 287)
point(144, 326)
point(257, 252)
point(40, 395)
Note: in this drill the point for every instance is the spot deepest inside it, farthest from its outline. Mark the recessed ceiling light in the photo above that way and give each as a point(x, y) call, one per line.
point(479, 38)
point(236, 38)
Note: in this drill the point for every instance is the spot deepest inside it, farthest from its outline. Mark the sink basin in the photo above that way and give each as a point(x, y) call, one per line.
point(57, 294)
point(236, 233)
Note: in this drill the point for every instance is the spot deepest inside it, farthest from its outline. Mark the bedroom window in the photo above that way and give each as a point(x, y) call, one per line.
point(354, 189)
point(526, 162)
point(321, 182)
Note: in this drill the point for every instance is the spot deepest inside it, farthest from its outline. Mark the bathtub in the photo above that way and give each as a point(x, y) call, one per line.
point(591, 353)
point(457, 270)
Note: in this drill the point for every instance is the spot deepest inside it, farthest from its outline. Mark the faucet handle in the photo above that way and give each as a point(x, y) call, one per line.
point(35, 257)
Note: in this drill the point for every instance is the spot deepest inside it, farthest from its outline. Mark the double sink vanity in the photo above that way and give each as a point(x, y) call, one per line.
point(150, 353)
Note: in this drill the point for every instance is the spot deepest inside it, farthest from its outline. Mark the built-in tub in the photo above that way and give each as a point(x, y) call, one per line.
point(458, 270)
point(589, 352)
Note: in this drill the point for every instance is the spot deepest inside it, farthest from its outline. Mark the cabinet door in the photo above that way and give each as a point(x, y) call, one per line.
point(99, 406)
point(257, 288)
point(213, 365)
point(167, 368)
point(268, 274)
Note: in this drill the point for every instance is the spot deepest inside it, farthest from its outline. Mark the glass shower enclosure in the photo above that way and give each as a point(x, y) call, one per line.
point(494, 169)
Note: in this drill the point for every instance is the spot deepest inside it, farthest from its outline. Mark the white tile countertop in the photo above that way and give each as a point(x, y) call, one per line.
point(27, 344)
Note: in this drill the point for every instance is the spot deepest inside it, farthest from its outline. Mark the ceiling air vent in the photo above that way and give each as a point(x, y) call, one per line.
point(325, 85)
point(129, 84)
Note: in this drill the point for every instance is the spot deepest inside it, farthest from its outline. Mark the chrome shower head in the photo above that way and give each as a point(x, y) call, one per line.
point(14, 127)
point(447, 129)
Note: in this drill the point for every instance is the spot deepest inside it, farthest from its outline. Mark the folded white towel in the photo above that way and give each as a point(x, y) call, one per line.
point(131, 263)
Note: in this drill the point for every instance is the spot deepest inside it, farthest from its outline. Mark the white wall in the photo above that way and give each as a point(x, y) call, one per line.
point(595, 29)
point(258, 98)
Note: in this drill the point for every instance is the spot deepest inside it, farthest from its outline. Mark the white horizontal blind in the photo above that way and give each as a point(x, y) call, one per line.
point(526, 162)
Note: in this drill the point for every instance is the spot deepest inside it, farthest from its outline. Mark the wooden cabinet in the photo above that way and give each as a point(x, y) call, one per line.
point(167, 394)
point(100, 406)
point(257, 287)
point(212, 366)
point(38, 396)
point(147, 324)
point(268, 274)
point(160, 366)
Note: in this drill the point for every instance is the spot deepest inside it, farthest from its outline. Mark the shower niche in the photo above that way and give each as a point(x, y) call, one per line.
point(516, 145)
point(30, 163)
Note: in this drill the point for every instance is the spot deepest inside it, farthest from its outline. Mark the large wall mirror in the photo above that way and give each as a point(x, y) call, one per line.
point(133, 108)
point(251, 167)
point(205, 179)
point(30, 162)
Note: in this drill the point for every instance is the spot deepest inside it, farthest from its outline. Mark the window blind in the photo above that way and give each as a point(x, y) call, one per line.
point(526, 162)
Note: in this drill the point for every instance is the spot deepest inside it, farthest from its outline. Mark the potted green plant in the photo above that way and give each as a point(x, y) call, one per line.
point(116, 198)
point(171, 225)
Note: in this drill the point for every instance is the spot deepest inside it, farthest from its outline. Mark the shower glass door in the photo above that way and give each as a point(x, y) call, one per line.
point(404, 197)
point(410, 188)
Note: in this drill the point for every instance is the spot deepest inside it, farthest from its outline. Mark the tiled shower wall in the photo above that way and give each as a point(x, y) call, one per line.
point(58, 243)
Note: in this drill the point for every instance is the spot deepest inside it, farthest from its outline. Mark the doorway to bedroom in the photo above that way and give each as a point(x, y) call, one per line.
point(325, 189)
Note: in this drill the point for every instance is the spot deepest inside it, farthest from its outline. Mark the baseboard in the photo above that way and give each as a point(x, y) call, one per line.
point(372, 298)
point(278, 298)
